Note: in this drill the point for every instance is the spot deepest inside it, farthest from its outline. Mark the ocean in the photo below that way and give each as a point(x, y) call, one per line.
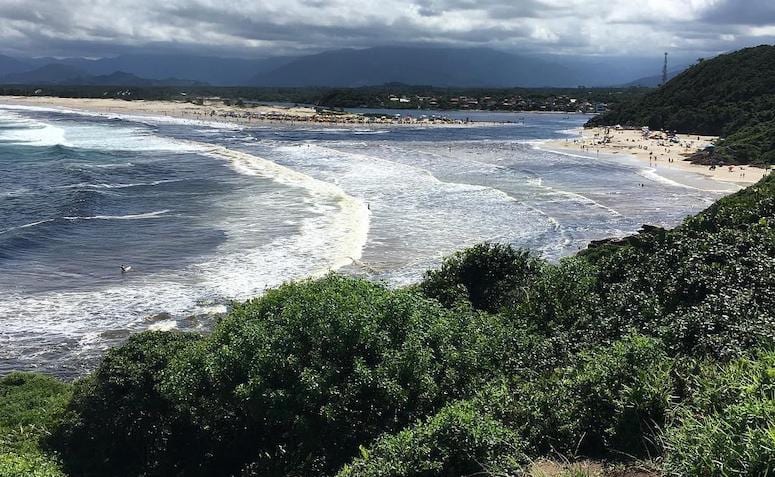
point(208, 213)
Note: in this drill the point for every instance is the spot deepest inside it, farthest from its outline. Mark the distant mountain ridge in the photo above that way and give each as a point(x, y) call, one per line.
point(62, 74)
point(192, 68)
point(436, 66)
point(9, 65)
point(465, 67)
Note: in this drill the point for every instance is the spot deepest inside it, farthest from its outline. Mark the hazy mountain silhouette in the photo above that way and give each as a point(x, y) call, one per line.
point(476, 67)
point(62, 74)
point(47, 74)
point(206, 69)
point(436, 66)
point(9, 65)
point(656, 80)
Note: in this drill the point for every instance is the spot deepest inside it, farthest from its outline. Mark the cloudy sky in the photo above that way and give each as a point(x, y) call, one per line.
point(256, 28)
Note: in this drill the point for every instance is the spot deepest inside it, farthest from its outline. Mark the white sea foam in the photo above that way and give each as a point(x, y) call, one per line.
point(117, 165)
point(420, 217)
point(86, 314)
point(95, 136)
point(165, 325)
point(146, 215)
point(86, 185)
point(653, 175)
point(26, 226)
point(149, 119)
point(572, 132)
point(15, 192)
point(583, 200)
point(332, 238)
point(24, 131)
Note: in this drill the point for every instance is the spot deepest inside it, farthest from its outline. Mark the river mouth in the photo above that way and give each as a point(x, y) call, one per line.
point(206, 215)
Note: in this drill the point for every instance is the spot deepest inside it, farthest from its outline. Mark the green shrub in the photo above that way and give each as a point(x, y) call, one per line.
point(620, 396)
point(312, 370)
point(118, 423)
point(610, 400)
point(727, 424)
point(462, 439)
point(488, 276)
point(30, 407)
point(28, 464)
point(704, 288)
point(289, 383)
point(562, 302)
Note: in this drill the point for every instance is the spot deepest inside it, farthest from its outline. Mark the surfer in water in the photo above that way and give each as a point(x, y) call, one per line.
point(125, 268)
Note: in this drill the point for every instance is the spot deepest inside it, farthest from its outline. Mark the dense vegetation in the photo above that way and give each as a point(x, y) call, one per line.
point(732, 96)
point(661, 347)
point(418, 97)
point(30, 406)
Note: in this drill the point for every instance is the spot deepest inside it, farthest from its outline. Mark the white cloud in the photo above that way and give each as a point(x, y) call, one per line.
point(268, 27)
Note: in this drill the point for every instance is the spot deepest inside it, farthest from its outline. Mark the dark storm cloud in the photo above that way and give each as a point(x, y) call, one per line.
point(750, 12)
point(271, 27)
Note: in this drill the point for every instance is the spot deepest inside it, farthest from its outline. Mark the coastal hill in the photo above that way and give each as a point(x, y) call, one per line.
point(732, 96)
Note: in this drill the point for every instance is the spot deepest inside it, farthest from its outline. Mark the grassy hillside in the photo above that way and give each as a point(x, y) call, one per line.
point(659, 349)
point(731, 96)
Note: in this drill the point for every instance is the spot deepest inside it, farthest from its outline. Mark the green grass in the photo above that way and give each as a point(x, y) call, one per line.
point(30, 407)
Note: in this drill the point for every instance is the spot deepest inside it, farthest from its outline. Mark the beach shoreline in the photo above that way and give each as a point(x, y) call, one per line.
point(654, 150)
point(218, 112)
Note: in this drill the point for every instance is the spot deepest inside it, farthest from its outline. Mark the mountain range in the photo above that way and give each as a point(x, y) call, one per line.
point(58, 73)
point(436, 66)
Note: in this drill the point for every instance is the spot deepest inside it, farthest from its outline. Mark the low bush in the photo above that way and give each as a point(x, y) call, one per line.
point(487, 276)
point(289, 383)
point(462, 439)
point(611, 402)
point(726, 426)
point(30, 408)
point(118, 422)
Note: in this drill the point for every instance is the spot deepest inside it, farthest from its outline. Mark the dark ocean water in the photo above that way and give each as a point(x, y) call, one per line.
point(208, 213)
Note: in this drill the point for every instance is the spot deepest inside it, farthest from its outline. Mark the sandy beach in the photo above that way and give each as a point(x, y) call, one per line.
point(655, 150)
point(215, 110)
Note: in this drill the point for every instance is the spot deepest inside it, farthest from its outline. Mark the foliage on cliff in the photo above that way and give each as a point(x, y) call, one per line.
point(732, 96)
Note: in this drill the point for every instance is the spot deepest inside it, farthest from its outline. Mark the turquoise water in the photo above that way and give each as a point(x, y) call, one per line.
point(205, 213)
